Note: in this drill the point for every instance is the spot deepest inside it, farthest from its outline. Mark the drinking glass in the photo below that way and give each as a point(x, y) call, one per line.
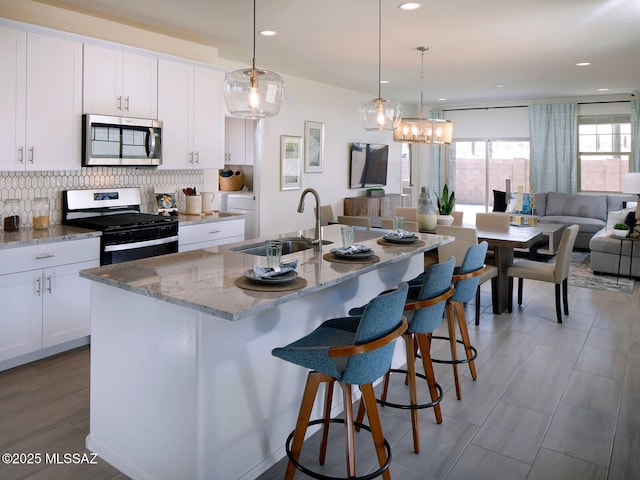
point(347, 236)
point(398, 224)
point(274, 253)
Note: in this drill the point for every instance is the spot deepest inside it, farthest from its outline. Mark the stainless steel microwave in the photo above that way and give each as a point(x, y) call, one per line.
point(121, 141)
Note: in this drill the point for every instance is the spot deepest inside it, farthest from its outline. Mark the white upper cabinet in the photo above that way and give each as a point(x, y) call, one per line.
point(189, 105)
point(239, 136)
point(120, 83)
point(40, 102)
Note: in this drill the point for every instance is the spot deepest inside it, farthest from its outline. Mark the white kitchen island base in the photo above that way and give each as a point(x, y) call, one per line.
point(178, 393)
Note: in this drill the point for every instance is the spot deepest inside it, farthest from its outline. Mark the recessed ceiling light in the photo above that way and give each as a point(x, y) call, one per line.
point(583, 64)
point(603, 89)
point(409, 6)
point(499, 85)
point(441, 99)
point(384, 81)
point(267, 33)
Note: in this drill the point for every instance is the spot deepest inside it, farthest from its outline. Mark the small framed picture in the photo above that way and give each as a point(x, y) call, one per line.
point(290, 162)
point(314, 147)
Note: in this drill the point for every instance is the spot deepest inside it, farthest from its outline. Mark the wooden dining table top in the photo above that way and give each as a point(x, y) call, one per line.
point(514, 237)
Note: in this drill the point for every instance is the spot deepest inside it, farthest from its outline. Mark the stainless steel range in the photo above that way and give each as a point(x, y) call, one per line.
point(127, 234)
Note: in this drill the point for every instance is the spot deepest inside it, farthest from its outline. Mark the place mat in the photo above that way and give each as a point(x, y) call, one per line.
point(246, 284)
point(417, 243)
point(330, 257)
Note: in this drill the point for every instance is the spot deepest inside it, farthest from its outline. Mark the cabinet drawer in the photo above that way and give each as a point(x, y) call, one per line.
point(204, 232)
point(22, 259)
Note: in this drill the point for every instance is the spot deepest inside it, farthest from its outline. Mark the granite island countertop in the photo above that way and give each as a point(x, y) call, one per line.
point(204, 279)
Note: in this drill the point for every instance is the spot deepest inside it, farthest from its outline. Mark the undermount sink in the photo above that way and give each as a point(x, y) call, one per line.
point(289, 245)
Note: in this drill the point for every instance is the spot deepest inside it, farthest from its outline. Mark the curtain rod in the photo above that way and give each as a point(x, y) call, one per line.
point(524, 106)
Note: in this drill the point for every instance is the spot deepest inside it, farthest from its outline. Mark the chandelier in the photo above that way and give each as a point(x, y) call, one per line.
point(427, 131)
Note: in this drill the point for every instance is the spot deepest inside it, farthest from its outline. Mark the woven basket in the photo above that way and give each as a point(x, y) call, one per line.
point(232, 183)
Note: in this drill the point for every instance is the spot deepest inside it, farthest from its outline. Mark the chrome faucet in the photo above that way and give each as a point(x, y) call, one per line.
point(317, 241)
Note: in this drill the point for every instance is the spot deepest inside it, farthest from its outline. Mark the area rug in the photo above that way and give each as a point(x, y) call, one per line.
point(581, 275)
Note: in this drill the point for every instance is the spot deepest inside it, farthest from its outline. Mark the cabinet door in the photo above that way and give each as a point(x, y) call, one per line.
point(235, 141)
point(139, 86)
point(203, 235)
point(102, 81)
point(175, 109)
point(66, 306)
point(13, 44)
point(207, 119)
point(54, 103)
point(21, 318)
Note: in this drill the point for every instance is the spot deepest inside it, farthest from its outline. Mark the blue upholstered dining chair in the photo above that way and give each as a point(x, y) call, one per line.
point(424, 310)
point(352, 351)
point(465, 281)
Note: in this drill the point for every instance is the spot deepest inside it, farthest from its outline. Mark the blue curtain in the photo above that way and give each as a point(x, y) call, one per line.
point(635, 136)
point(553, 138)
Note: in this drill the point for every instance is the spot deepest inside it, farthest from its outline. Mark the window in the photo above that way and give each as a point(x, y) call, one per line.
point(604, 146)
point(482, 166)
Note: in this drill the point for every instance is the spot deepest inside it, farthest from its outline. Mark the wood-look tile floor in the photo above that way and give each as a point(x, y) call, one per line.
point(551, 402)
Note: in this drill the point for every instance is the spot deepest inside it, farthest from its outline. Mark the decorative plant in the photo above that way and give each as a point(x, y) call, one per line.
point(621, 226)
point(446, 201)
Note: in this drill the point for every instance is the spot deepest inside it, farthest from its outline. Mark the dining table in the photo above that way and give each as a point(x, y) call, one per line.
point(503, 243)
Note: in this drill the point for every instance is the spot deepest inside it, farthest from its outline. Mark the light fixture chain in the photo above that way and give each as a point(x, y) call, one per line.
point(253, 62)
point(379, 48)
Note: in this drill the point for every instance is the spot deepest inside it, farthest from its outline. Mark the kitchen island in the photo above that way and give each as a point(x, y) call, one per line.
point(183, 383)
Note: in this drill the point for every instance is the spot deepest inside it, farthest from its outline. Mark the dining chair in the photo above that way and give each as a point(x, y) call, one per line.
point(557, 272)
point(352, 351)
point(326, 214)
point(424, 311)
point(409, 213)
point(457, 218)
point(492, 221)
point(465, 280)
point(409, 226)
point(354, 221)
point(464, 238)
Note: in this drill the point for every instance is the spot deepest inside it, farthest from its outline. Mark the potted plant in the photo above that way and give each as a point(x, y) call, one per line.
point(621, 230)
point(446, 202)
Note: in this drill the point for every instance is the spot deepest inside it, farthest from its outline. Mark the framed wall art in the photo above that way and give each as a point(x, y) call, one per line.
point(313, 147)
point(290, 162)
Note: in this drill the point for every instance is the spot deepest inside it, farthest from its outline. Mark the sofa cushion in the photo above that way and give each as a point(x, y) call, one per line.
point(575, 205)
point(587, 225)
point(618, 202)
point(601, 242)
point(540, 207)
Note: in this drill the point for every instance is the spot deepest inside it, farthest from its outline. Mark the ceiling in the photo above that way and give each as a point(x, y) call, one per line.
point(530, 47)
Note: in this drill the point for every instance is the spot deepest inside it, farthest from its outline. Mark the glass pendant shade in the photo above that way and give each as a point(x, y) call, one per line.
point(253, 93)
point(380, 114)
point(430, 131)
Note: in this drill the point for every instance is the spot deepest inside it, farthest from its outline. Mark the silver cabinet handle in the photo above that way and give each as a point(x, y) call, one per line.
point(191, 157)
point(214, 232)
point(198, 158)
point(49, 283)
point(21, 155)
point(44, 256)
point(119, 103)
point(31, 155)
point(38, 282)
point(126, 99)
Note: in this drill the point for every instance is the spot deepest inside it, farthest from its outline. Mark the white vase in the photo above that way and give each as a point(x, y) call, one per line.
point(445, 219)
point(426, 222)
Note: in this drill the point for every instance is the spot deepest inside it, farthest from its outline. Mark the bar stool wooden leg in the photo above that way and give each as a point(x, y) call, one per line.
point(314, 379)
point(452, 344)
point(376, 428)
point(413, 397)
point(347, 400)
point(328, 397)
point(425, 353)
point(464, 333)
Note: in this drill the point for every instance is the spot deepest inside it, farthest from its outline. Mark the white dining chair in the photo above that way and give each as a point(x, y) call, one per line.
point(326, 214)
point(557, 273)
point(464, 238)
point(354, 221)
point(409, 213)
point(457, 218)
point(492, 221)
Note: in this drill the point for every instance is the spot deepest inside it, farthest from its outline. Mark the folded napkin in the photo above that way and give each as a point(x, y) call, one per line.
point(266, 272)
point(400, 234)
point(355, 248)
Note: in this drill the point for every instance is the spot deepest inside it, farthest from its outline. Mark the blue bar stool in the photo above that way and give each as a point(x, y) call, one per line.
point(352, 351)
point(465, 280)
point(424, 310)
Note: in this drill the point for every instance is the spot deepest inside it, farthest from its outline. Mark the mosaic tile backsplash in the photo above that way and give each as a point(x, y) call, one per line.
point(50, 184)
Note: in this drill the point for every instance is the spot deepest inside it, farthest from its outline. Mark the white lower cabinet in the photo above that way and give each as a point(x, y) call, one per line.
point(203, 235)
point(47, 303)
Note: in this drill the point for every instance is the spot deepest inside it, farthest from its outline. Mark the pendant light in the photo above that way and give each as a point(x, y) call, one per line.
point(379, 113)
point(426, 131)
point(254, 93)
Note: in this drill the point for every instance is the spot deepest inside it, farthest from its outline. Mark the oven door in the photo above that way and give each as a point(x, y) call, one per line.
point(124, 252)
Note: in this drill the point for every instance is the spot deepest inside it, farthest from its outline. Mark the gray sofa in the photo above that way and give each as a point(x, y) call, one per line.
point(588, 211)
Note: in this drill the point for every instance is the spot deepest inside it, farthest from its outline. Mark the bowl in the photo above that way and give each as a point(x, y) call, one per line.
point(621, 233)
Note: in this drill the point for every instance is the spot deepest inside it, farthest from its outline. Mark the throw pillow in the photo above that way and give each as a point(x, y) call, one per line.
point(499, 201)
point(630, 219)
point(617, 216)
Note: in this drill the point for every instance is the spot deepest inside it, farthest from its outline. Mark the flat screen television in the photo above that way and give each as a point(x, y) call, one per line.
point(368, 165)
